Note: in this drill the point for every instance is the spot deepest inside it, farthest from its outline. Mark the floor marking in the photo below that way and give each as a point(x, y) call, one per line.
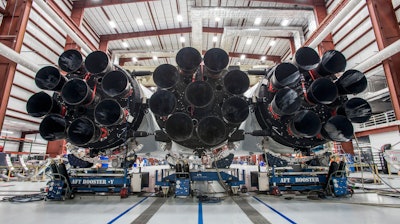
point(147, 214)
point(122, 214)
point(200, 213)
point(250, 211)
point(276, 211)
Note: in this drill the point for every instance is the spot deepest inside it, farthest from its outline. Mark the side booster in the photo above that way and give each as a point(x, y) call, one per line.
point(200, 105)
point(303, 104)
point(96, 105)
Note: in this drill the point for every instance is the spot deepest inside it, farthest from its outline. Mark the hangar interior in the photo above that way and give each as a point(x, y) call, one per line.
point(199, 111)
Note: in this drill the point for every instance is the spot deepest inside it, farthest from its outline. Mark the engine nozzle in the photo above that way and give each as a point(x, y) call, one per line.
point(116, 84)
point(53, 127)
point(215, 60)
point(305, 123)
point(322, 91)
point(109, 112)
point(284, 74)
point(179, 126)
point(41, 103)
point(357, 110)
point(98, 62)
point(166, 76)
point(211, 130)
point(162, 102)
point(83, 131)
point(77, 92)
point(351, 82)
point(236, 82)
point(71, 61)
point(199, 94)
point(338, 128)
point(188, 59)
point(50, 78)
point(332, 62)
point(306, 58)
point(235, 110)
point(286, 102)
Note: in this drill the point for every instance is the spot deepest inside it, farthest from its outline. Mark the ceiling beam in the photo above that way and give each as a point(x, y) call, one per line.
point(274, 58)
point(120, 36)
point(92, 4)
point(295, 2)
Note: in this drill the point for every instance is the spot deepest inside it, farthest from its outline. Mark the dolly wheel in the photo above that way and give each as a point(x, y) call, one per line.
point(72, 196)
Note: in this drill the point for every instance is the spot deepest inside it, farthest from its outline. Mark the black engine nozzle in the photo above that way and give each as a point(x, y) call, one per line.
point(188, 59)
point(306, 58)
point(179, 126)
point(338, 128)
point(332, 62)
point(286, 102)
point(322, 91)
point(305, 123)
point(284, 74)
point(199, 94)
point(162, 102)
point(235, 110)
point(351, 82)
point(236, 82)
point(41, 103)
point(50, 78)
point(98, 62)
point(77, 92)
point(166, 76)
point(83, 131)
point(71, 61)
point(53, 127)
point(357, 110)
point(109, 112)
point(116, 84)
point(216, 60)
point(211, 130)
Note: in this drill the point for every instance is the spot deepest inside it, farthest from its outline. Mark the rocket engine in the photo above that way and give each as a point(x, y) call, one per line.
point(304, 104)
point(200, 105)
point(95, 105)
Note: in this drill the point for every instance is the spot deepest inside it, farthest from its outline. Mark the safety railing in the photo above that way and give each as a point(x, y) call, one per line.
point(376, 121)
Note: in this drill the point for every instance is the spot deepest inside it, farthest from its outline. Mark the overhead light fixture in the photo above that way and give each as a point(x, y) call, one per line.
point(155, 58)
point(257, 21)
point(125, 44)
point(139, 22)
point(242, 57)
point(263, 58)
point(217, 19)
point(272, 43)
point(182, 39)
point(179, 18)
point(7, 132)
point(134, 59)
point(285, 22)
point(148, 42)
point(215, 39)
point(248, 41)
point(112, 24)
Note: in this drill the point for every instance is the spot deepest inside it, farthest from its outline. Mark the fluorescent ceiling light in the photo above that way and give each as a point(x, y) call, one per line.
point(217, 19)
point(7, 132)
point(257, 21)
point(182, 39)
point(125, 44)
point(112, 24)
point(263, 58)
point(179, 18)
point(155, 58)
point(134, 59)
point(139, 22)
point(248, 41)
point(215, 38)
point(272, 43)
point(285, 22)
point(148, 42)
point(242, 57)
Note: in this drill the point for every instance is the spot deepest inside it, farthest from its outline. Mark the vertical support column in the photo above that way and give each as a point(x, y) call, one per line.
point(12, 31)
point(292, 46)
point(387, 31)
point(320, 14)
point(103, 45)
point(55, 148)
point(77, 17)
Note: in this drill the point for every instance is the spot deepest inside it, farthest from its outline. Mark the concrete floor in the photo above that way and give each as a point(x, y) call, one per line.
point(363, 207)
